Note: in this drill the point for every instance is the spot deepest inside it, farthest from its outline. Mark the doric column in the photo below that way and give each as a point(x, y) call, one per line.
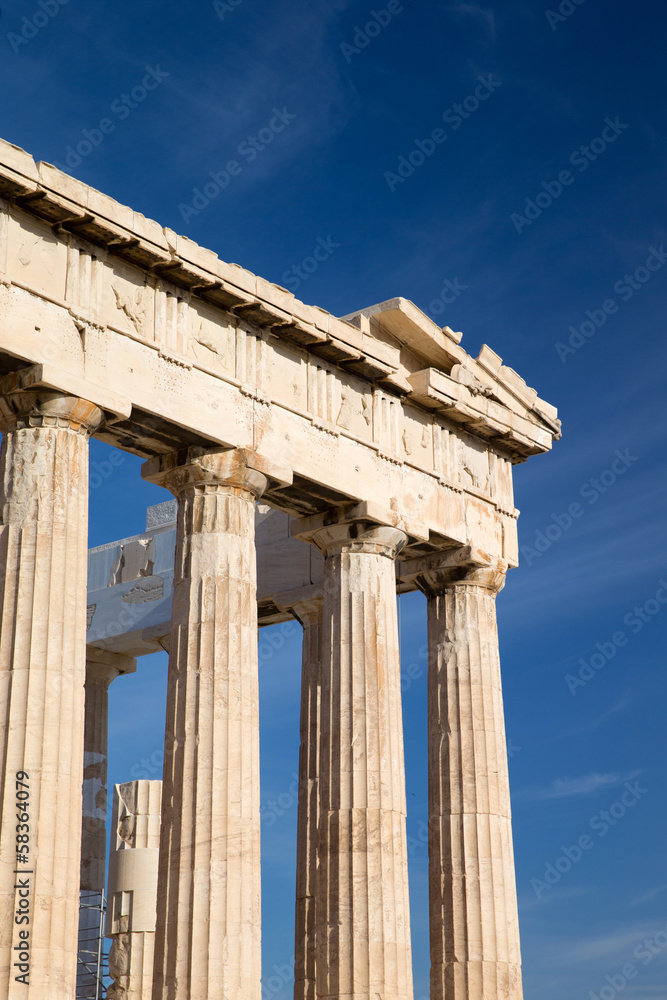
point(475, 952)
point(131, 907)
point(309, 614)
point(102, 667)
point(362, 907)
point(208, 921)
point(43, 560)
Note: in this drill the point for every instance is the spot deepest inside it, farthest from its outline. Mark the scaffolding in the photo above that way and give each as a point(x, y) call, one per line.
point(92, 970)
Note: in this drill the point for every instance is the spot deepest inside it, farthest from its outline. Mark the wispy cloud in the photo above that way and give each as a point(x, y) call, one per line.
point(470, 10)
point(558, 895)
point(646, 992)
point(569, 788)
point(588, 725)
point(626, 701)
point(612, 946)
point(650, 894)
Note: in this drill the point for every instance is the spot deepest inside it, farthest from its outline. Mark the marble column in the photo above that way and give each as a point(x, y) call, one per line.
point(208, 920)
point(43, 563)
point(362, 906)
point(131, 907)
point(474, 923)
point(309, 614)
point(102, 667)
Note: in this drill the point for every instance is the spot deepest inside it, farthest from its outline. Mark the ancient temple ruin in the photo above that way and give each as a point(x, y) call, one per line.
point(318, 465)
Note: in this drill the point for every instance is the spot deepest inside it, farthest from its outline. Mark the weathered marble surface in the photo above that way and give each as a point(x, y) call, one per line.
point(382, 406)
point(362, 916)
point(43, 544)
point(132, 897)
point(101, 669)
point(474, 922)
point(375, 431)
point(208, 937)
point(309, 614)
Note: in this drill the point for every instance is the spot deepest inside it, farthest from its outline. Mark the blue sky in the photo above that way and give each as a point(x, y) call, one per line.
point(523, 285)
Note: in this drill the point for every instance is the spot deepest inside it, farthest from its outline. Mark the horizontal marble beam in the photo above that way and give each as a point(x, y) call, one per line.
point(130, 581)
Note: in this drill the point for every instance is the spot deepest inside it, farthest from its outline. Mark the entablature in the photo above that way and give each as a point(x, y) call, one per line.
point(182, 349)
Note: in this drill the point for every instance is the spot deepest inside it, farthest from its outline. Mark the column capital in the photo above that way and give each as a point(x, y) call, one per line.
point(103, 666)
point(305, 604)
point(308, 613)
point(462, 567)
point(360, 536)
point(359, 527)
point(198, 469)
point(157, 636)
point(48, 408)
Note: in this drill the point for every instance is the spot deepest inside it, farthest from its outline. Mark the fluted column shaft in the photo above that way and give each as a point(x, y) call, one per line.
point(43, 563)
point(474, 926)
point(95, 754)
point(363, 922)
point(309, 613)
point(208, 922)
point(102, 667)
